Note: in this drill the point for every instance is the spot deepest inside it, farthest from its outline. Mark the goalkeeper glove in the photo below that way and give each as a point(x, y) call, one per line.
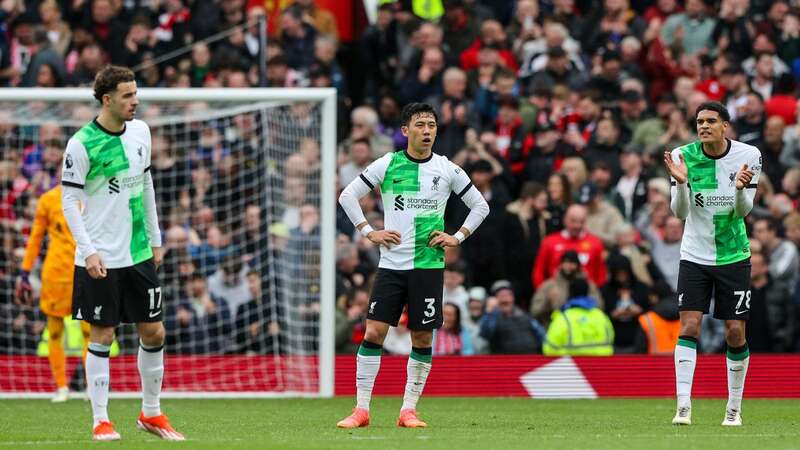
point(23, 293)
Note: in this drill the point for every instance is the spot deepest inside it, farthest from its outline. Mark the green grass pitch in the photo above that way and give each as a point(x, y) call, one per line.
point(454, 424)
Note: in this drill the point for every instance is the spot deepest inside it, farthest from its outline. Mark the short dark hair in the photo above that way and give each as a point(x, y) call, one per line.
point(197, 275)
point(412, 109)
point(108, 78)
point(601, 165)
point(578, 287)
point(481, 165)
point(504, 73)
point(278, 60)
point(611, 55)
point(756, 95)
point(232, 264)
point(772, 224)
point(531, 189)
point(714, 106)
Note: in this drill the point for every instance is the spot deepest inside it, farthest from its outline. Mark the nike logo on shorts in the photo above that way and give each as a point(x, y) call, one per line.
point(425, 322)
point(154, 313)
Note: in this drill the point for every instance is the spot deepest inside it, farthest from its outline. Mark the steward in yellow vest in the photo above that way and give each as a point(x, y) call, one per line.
point(579, 328)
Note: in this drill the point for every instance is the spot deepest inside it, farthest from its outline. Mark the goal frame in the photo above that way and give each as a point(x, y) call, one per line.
point(327, 99)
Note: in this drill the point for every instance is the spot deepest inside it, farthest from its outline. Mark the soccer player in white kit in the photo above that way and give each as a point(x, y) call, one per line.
point(415, 185)
point(110, 207)
point(714, 181)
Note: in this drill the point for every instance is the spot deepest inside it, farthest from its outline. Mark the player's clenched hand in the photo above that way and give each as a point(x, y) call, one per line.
point(442, 239)
point(158, 256)
point(384, 237)
point(678, 171)
point(95, 266)
point(744, 177)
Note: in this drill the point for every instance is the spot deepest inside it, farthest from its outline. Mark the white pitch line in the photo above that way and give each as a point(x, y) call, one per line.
point(688, 435)
point(86, 441)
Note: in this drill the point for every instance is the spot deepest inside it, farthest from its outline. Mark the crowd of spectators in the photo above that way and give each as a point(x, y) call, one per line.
point(559, 111)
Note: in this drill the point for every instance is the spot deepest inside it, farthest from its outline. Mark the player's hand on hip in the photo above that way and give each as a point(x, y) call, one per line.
point(95, 266)
point(744, 177)
point(442, 239)
point(158, 256)
point(677, 171)
point(384, 237)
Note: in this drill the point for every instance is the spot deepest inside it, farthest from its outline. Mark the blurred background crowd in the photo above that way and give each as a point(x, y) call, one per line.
point(559, 110)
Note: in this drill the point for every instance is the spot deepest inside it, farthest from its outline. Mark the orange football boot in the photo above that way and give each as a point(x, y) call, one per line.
point(408, 419)
point(104, 431)
point(159, 425)
point(359, 418)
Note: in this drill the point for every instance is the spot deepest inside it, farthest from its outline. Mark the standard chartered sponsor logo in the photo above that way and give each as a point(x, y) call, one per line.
point(403, 203)
point(421, 203)
point(719, 200)
point(129, 182)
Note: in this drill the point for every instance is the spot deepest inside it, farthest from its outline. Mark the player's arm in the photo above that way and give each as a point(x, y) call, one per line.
point(679, 191)
point(462, 186)
point(358, 188)
point(73, 177)
point(151, 213)
point(746, 185)
point(34, 245)
point(153, 231)
point(32, 248)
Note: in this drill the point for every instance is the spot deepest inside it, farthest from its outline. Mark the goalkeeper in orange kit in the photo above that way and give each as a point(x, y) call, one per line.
point(57, 272)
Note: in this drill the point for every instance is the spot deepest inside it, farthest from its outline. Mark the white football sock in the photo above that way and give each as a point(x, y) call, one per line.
point(417, 370)
point(368, 362)
point(151, 371)
point(685, 361)
point(97, 380)
point(737, 372)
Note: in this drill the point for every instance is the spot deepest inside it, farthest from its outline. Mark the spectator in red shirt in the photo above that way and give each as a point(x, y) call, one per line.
point(573, 237)
point(783, 102)
point(493, 36)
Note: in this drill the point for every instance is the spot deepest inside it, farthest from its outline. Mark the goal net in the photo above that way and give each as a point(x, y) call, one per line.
point(245, 189)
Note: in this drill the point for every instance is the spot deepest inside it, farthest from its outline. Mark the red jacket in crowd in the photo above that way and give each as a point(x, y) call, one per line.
point(469, 57)
point(590, 252)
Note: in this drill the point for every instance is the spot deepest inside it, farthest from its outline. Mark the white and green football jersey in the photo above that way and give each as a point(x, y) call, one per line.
point(414, 194)
point(110, 169)
point(713, 234)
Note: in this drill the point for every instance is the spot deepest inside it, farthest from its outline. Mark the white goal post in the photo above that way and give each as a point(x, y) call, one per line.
point(308, 347)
